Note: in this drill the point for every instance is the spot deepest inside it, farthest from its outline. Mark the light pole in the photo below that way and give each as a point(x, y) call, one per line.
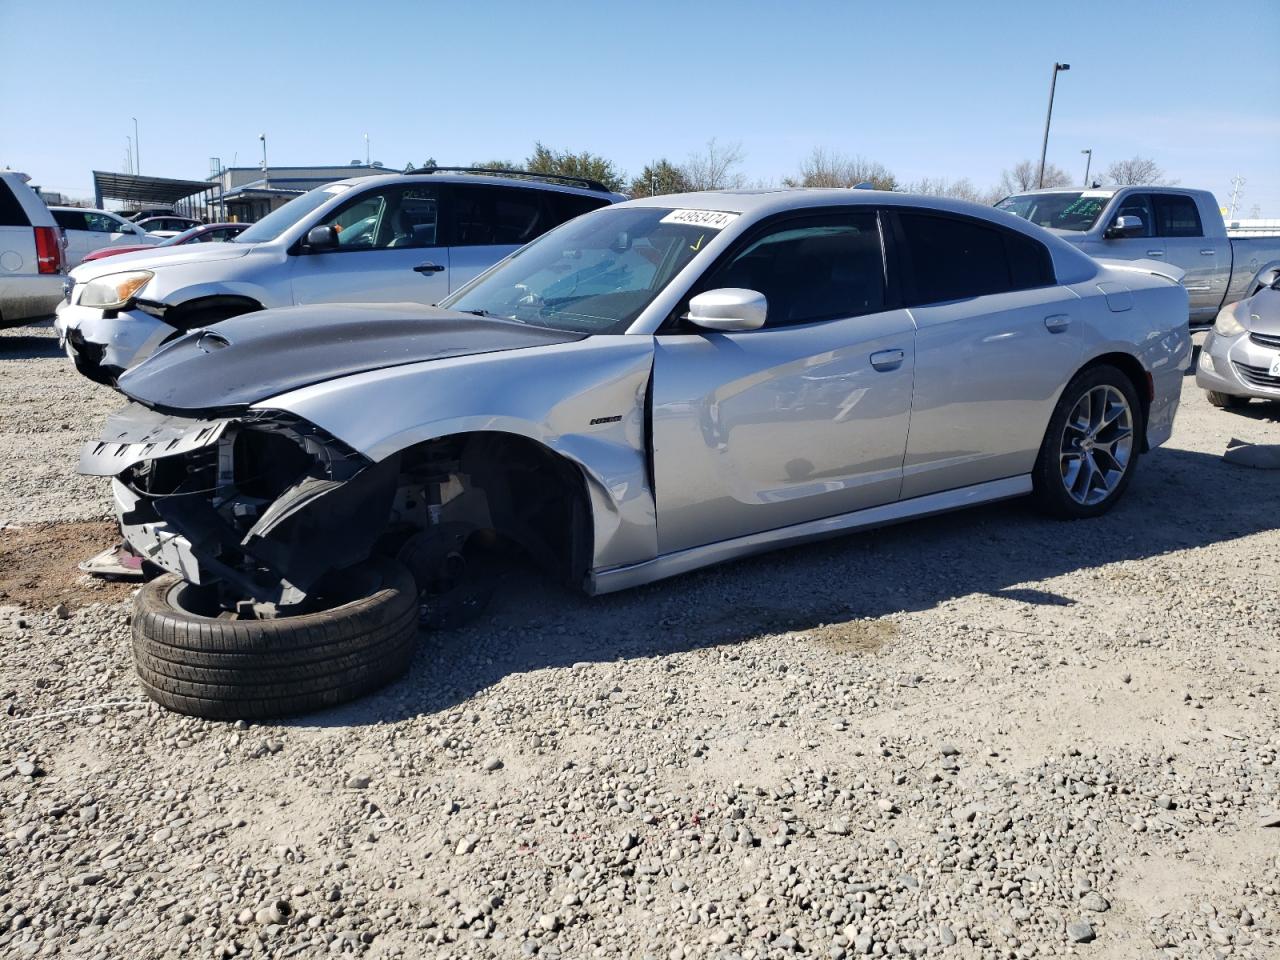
point(1088, 160)
point(137, 147)
point(266, 180)
point(128, 154)
point(366, 149)
point(1044, 147)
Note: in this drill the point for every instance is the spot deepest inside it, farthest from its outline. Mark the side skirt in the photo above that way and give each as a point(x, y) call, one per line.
point(683, 561)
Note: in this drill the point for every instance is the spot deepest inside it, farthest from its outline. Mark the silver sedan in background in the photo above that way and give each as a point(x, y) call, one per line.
point(1240, 357)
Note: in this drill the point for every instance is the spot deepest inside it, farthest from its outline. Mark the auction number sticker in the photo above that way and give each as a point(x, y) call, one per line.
point(710, 219)
point(1275, 367)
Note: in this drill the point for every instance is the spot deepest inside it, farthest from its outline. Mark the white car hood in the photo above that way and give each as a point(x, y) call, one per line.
point(161, 257)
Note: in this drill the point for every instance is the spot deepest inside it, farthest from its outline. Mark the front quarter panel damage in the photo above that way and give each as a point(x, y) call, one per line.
point(583, 400)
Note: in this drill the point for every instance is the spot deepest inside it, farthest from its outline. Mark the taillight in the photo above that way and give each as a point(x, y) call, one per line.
point(48, 250)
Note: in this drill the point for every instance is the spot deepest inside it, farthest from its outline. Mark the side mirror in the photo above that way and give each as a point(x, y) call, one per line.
point(322, 238)
point(1126, 226)
point(730, 308)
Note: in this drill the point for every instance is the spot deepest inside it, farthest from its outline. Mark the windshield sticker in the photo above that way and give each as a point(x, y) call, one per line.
point(711, 219)
point(1084, 207)
point(1097, 193)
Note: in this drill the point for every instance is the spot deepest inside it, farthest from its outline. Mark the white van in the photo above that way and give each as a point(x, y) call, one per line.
point(31, 253)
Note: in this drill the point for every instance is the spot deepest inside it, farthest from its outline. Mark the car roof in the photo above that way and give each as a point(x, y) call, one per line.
point(1110, 190)
point(84, 210)
point(781, 200)
point(527, 183)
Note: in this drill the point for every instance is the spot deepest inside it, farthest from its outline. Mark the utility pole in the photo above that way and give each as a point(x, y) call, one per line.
point(137, 147)
point(1044, 147)
point(366, 149)
point(1237, 183)
point(266, 179)
point(128, 154)
point(1088, 161)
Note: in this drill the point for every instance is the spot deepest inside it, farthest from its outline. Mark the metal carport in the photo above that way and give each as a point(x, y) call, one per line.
point(137, 192)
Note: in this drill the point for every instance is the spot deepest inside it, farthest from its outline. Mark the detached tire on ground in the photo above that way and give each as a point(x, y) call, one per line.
point(194, 662)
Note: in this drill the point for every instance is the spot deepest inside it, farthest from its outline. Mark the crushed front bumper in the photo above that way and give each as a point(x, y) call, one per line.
point(102, 347)
point(259, 502)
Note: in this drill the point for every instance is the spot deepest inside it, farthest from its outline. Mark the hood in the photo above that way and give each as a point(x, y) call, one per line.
point(255, 356)
point(1262, 312)
point(149, 257)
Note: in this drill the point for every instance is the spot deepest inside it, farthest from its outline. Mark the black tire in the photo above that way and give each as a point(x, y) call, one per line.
point(1050, 488)
point(1226, 401)
point(196, 663)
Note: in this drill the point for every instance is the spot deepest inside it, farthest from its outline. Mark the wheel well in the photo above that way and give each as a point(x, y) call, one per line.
point(185, 316)
point(1132, 368)
point(530, 495)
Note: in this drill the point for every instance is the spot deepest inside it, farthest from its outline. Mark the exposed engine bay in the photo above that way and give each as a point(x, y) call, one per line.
point(263, 506)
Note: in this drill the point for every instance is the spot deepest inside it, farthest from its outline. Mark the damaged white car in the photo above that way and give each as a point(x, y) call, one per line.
point(654, 387)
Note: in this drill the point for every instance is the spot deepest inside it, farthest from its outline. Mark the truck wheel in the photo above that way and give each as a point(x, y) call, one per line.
point(196, 660)
point(1090, 448)
point(1226, 401)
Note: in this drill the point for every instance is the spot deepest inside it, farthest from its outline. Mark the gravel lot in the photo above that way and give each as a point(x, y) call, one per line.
point(982, 735)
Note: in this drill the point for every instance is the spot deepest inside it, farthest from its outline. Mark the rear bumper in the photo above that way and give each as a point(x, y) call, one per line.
point(103, 347)
point(1237, 367)
point(25, 296)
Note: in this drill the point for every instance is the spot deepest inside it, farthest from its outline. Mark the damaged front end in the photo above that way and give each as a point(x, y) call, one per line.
point(259, 506)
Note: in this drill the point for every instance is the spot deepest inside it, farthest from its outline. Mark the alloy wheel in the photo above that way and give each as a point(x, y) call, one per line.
point(1097, 444)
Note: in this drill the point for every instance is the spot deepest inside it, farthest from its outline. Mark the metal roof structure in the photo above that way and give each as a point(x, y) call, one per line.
point(135, 188)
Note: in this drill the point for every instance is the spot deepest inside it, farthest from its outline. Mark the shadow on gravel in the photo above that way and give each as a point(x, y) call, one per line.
point(32, 340)
point(1179, 500)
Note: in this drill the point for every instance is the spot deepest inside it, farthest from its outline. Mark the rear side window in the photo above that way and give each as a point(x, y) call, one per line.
point(484, 216)
point(955, 259)
point(566, 206)
point(70, 219)
point(11, 212)
point(1176, 215)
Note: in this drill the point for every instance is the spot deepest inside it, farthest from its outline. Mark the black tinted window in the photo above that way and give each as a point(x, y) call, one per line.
point(11, 212)
point(954, 259)
point(496, 215)
point(1177, 216)
point(70, 219)
point(566, 206)
point(812, 270)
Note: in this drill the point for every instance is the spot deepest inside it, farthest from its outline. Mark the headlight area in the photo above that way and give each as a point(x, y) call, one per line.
point(269, 508)
point(1227, 325)
point(114, 291)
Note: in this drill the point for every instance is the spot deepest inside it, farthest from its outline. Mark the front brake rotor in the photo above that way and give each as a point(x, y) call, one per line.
point(454, 585)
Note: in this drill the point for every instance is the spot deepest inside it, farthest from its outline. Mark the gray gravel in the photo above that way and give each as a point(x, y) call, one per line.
point(981, 735)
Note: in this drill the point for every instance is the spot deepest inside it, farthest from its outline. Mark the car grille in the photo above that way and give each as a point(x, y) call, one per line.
point(1265, 339)
point(1256, 376)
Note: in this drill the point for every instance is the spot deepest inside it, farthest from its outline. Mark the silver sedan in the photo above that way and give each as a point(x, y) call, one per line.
point(1240, 357)
point(654, 387)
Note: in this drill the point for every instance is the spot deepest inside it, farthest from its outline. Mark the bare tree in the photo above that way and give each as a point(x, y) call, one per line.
point(1136, 171)
point(962, 189)
point(831, 168)
point(715, 168)
point(1023, 177)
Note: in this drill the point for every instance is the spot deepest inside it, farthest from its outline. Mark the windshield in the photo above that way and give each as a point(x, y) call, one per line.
point(278, 221)
point(595, 274)
point(1078, 210)
point(182, 237)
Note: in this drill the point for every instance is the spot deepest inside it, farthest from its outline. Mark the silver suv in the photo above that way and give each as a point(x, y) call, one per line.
point(387, 239)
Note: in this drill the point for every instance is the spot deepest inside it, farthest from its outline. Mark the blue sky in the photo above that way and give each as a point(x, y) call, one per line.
point(928, 89)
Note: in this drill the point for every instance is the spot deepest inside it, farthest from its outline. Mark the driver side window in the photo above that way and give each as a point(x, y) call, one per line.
point(387, 219)
point(819, 268)
point(1138, 205)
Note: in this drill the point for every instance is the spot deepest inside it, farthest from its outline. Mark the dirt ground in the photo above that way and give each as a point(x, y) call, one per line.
point(985, 734)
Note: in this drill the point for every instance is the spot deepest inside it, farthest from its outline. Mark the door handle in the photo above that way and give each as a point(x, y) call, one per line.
point(1155, 253)
point(1057, 322)
point(885, 360)
point(1207, 253)
point(428, 268)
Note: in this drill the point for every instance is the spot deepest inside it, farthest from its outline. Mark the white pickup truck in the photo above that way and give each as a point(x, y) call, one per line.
point(1181, 227)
